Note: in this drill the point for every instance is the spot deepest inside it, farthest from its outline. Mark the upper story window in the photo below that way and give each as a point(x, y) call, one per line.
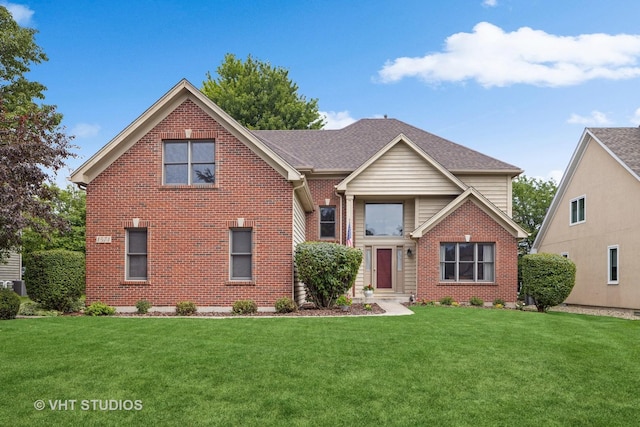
point(327, 222)
point(577, 210)
point(189, 162)
point(383, 219)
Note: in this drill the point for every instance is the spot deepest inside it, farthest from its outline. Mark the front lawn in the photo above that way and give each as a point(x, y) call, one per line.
point(441, 366)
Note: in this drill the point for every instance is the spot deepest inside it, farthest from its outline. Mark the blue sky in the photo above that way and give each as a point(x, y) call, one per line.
point(515, 79)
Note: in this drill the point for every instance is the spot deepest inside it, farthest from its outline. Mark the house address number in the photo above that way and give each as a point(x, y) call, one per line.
point(103, 239)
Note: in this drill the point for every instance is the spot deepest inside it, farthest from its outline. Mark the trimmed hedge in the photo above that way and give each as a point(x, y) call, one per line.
point(327, 270)
point(55, 278)
point(9, 304)
point(547, 278)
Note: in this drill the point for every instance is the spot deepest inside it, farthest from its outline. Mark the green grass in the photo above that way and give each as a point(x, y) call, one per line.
point(442, 366)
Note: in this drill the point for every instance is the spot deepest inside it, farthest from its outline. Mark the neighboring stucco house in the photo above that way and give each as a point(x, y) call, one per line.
point(593, 219)
point(11, 271)
point(187, 204)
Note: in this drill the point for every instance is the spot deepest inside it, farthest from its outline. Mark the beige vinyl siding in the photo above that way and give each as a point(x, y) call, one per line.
point(406, 284)
point(299, 233)
point(496, 188)
point(11, 270)
point(426, 207)
point(401, 171)
point(612, 203)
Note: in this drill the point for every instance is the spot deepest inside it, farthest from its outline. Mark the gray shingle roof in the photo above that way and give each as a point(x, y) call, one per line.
point(623, 142)
point(348, 148)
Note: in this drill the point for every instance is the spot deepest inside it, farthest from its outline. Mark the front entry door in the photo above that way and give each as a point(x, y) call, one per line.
point(383, 268)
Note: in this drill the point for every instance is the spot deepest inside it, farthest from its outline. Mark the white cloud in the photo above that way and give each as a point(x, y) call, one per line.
point(21, 14)
point(490, 3)
point(336, 120)
point(493, 57)
point(636, 118)
point(556, 175)
point(596, 118)
point(85, 130)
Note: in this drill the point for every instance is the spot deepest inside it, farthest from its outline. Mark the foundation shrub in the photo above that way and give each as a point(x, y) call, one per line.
point(547, 278)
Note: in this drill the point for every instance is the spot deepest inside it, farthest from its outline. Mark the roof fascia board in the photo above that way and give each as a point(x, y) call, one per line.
point(342, 186)
point(564, 183)
point(159, 110)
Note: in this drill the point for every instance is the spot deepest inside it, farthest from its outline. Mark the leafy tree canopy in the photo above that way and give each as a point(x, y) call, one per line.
point(33, 147)
point(260, 96)
point(531, 200)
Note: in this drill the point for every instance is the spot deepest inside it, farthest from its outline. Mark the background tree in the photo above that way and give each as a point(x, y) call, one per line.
point(33, 146)
point(70, 205)
point(260, 96)
point(531, 200)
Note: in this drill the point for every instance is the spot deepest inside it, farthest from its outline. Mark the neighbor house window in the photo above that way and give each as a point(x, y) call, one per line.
point(241, 254)
point(136, 242)
point(383, 219)
point(467, 262)
point(189, 162)
point(327, 222)
point(612, 264)
point(577, 210)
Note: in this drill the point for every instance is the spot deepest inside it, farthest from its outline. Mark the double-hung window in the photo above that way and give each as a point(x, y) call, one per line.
point(241, 254)
point(467, 262)
point(577, 210)
point(189, 162)
point(136, 243)
point(327, 222)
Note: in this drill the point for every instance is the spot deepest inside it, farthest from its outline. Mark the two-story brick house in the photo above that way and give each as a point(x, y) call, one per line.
point(187, 204)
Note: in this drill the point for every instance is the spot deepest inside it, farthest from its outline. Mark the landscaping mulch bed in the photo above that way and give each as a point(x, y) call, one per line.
point(306, 310)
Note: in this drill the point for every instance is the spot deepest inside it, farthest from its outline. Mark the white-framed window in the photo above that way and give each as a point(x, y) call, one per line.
point(327, 222)
point(577, 210)
point(467, 262)
point(136, 260)
point(241, 253)
point(613, 273)
point(187, 162)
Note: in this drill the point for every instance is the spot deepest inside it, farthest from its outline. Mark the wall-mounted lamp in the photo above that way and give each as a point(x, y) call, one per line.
point(467, 238)
point(409, 253)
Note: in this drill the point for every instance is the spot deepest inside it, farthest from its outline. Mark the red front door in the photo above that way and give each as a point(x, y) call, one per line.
point(383, 268)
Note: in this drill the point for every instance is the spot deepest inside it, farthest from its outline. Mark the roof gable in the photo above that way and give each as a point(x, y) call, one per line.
point(344, 150)
point(157, 112)
point(622, 144)
point(489, 208)
point(454, 184)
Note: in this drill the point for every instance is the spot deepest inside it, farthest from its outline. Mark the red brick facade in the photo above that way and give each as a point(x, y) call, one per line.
point(468, 219)
point(188, 226)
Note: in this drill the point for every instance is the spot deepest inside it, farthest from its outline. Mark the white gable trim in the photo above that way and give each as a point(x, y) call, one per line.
point(156, 113)
point(489, 208)
point(587, 136)
point(343, 186)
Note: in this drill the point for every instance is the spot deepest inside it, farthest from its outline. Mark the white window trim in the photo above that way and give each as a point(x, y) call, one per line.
point(584, 213)
point(128, 278)
point(475, 264)
point(609, 248)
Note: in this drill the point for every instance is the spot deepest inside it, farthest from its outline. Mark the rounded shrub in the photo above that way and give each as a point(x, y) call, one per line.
point(547, 278)
point(55, 279)
point(327, 270)
point(99, 309)
point(9, 304)
point(186, 308)
point(244, 306)
point(476, 301)
point(143, 306)
point(286, 305)
point(446, 301)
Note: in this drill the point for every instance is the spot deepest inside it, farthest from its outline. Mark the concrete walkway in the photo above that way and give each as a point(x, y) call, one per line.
point(393, 309)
